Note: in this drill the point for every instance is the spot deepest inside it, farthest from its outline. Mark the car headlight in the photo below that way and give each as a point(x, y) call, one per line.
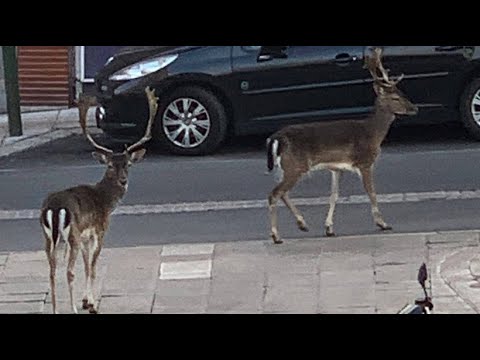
point(143, 68)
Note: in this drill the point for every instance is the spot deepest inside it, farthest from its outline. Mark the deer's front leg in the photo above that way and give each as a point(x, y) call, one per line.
point(367, 178)
point(96, 247)
point(333, 201)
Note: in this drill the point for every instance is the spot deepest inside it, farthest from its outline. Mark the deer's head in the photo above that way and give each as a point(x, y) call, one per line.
point(118, 164)
point(389, 97)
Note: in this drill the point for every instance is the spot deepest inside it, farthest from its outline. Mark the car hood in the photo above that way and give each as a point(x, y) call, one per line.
point(129, 55)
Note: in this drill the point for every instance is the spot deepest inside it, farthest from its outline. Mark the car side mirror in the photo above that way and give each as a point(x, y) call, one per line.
point(268, 53)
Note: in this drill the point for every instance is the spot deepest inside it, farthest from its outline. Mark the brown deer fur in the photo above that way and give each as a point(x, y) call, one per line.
point(343, 145)
point(80, 215)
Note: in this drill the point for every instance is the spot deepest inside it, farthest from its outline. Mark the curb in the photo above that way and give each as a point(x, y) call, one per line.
point(459, 270)
point(40, 128)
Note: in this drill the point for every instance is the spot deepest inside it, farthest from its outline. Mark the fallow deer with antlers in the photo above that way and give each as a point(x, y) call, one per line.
point(80, 215)
point(338, 146)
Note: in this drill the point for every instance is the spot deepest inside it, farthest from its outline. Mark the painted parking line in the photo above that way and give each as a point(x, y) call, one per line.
point(191, 207)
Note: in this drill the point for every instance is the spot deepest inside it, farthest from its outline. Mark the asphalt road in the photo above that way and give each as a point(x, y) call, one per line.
point(414, 160)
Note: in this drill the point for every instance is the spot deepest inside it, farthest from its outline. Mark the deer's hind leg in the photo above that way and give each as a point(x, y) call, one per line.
point(52, 262)
point(288, 181)
point(86, 263)
point(74, 248)
point(302, 225)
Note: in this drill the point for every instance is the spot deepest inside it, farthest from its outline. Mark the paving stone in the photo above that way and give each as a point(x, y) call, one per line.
point(127, 287)
point(451, 305)
point(19, 298)
point(236, 295)
point(351, 310)
point(186, 270)
point(334, 278)
point(131, 304)
point(175, 288)
point(187, 249)
point(462, 237)
point(27, 269)
point(346, 262)
point(391, 301)
point(179, 311)
point(28, 256)
point(24, 288)
point(22, 308)
point(296, 301)
point(346, 296)
point(238, 264)
point(177, 303)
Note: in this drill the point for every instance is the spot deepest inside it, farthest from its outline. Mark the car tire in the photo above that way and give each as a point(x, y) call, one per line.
point(207, 131)
point(470, 103)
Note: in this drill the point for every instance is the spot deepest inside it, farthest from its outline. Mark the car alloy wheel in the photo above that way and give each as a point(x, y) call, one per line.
point(475, 107)
point(186, 123)
point(470, 108)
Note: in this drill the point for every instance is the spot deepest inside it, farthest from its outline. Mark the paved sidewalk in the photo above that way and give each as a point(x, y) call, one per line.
point(356, 275)
point(41, 127)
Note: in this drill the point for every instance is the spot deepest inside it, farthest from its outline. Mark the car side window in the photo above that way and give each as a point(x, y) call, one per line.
point(251, 48)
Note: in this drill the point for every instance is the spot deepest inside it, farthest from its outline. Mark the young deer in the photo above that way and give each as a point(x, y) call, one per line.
point(80, 215)
point(346, 145)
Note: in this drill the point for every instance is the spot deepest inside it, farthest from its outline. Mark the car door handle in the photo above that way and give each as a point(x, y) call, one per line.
point(345, 59)
point(448, 48)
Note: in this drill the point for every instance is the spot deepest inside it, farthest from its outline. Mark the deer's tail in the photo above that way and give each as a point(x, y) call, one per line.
point(273, 153)
point(56, 225)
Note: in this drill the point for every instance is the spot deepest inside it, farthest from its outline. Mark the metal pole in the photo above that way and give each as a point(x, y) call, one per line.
point(11, 89)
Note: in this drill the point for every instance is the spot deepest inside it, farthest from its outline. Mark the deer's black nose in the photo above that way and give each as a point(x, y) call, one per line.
point(123, 182)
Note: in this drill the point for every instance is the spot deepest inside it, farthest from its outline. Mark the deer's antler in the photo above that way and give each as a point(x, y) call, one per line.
point(374, 64)
point(153, 106)
point(84, 103)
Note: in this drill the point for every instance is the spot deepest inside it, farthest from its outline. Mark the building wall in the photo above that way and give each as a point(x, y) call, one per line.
point(93, 57)
point(3, 100)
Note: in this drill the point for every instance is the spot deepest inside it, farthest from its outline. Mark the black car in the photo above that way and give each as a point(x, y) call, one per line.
point(209, 92)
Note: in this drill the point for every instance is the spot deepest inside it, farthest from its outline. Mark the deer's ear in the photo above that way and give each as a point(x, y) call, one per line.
point(100, 157)
point(137, 156)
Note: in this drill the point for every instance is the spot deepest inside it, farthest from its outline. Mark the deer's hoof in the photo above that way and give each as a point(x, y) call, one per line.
point(329, 232)
point(85, 305)
point(92, 310)
point(303, 227)
point(385, 227)
point(276, 238)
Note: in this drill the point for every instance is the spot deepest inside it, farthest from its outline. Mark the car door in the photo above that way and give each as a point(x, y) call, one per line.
point(309, 83)
point(431, 79)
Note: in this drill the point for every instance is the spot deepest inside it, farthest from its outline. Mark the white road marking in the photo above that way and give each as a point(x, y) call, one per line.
point(191, 207)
